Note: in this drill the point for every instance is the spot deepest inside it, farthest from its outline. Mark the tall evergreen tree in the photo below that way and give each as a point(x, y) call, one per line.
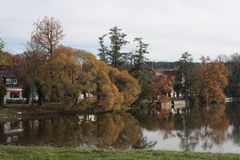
point(114, 55)
point(117, 38)
point(141, 50)
point(103, 50)
point(186, 73)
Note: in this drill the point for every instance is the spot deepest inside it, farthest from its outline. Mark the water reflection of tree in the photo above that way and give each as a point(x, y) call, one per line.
point(156, 121)
point(214, 126)
point(143, 143)
point(54, 132)
point(187, 125)
point(233, 114)
point(207, 125)
point(118, 131)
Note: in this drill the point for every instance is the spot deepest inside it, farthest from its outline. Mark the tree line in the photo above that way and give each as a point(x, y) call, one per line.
point(76, 78)
point(204, 81)
point(69, 76)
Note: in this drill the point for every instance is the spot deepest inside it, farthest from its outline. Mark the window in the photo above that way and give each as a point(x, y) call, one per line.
point(14, 94)
point(8, 81)
point(14, 81)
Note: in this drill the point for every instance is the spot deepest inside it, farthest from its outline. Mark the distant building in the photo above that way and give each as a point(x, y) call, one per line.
point(172, 74)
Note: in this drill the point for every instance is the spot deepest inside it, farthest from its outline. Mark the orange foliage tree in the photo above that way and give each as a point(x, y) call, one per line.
point(210, 81)
point(161, 87)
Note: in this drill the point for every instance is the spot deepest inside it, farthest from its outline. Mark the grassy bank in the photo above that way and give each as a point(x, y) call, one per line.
point(37, 153)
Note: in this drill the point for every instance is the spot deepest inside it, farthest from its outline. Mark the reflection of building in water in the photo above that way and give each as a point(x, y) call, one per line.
point(13, 132)
point(88, 118)
point(12, 129)
point(91, 118)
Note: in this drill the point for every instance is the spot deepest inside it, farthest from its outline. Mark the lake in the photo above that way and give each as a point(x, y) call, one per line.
point(216, 129)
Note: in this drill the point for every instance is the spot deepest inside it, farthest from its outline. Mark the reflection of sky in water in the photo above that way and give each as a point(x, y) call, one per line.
point(172, 142)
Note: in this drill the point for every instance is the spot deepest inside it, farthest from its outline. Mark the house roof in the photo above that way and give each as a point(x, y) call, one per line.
point(157, 74)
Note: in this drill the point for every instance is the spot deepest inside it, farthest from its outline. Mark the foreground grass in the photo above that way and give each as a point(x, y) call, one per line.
point(44, 153)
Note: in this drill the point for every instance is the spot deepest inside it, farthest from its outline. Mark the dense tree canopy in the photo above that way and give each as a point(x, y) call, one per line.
point(76, 76)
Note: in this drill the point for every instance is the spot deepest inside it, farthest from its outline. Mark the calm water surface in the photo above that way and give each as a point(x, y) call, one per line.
point(204, 130)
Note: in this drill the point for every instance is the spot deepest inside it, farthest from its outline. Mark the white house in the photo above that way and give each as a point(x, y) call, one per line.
point(14, 92)
point(13, 87)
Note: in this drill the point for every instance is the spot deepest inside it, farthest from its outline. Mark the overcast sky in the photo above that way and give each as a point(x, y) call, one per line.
point(171, 27)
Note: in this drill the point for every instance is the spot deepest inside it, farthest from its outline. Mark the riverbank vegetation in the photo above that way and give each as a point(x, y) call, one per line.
point(30, 153)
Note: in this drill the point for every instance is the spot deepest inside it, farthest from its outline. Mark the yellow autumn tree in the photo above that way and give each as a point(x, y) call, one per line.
point(126, 84)
point(107, 93)
point(77, 79)
point(58, 74)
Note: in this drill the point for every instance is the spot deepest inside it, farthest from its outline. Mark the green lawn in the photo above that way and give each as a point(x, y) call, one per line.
point(44, 153)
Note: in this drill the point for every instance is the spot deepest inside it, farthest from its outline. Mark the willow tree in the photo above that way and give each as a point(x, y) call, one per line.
point(126, 84)
point(58, 73)
point(112, 88)
point(108, 95)
point(81, 82)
